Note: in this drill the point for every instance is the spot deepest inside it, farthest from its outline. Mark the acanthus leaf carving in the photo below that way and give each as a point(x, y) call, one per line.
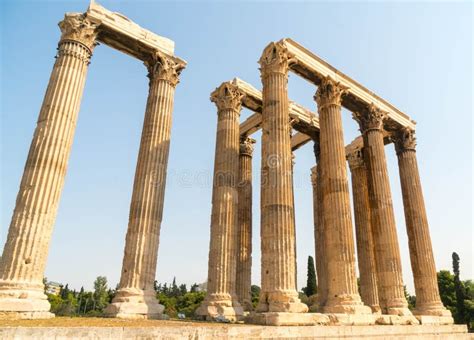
point(247, 146)
point(77, 27)
point(275, 59)
point(329, 92)
point(371, 118)
point(227, 96)
point(164, 67)
point(404, 140)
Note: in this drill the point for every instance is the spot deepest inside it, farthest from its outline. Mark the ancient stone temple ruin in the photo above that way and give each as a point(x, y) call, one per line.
point(24, 256)
point(285, 127)
point(382, 299)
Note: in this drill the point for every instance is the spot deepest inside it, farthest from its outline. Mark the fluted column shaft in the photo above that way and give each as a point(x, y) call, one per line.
point(428, 301)
point(221, 297)
point(278, 292)
point(365, 243)
point(320, 253)
point(244, 229)
point(136, 295)
point(343, 296)
point(24, 256)
point(387, 253)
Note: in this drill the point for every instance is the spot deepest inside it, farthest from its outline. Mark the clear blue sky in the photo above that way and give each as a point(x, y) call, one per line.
point(417, 56)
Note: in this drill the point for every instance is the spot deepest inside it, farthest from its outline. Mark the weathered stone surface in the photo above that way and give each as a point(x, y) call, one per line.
point(287, 319)
point(352, 319)
point(363, 226)
point(24, 255)
point(278, 272)
point(342, 296)
point(428, 301)
point(185, 330)
point(393, 319)
point(435, 320)
point(221, 298)
point(312, 68)
point(319, 233)
point(244, 227)
point(136, 296)
point(121, 33)
point(387, 252)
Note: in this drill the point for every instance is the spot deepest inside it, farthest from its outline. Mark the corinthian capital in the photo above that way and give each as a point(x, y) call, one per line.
point(370, 119)
point(356, 159)
point(164, 67)
point(227, 96)
point(404, 140)
point(275, 59)
point(247, 146)
point(329, 93)
point(77, 27)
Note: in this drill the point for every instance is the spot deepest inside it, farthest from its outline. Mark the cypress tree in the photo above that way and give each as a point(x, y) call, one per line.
point(311, 288)
point(459, 288)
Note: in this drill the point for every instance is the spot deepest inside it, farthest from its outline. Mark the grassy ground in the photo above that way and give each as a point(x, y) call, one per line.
point(102, 322)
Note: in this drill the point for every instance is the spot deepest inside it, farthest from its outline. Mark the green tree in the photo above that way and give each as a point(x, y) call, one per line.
point(174, 288)
point(469, 303)
point(55, 301)
point(459, 289)
point(169, 302)
point(447, 291)
point(68, 306)
point(189, 302)
point(101, 295)
point(45, 284)
point(194, 288)
point(183, 289)
point(255, 292)
point(411, 299)
point(64, 292)
point(310, 288)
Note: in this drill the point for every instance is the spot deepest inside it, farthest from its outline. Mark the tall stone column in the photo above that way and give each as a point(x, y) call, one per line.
point(244, 226)
point(278, 277)
point(365, 243)
point(293, 162)
point(387, 252)
point(343, 296)
point(136, 296)
point(221, 299)
point(24, 256)
point(428, 301)
point(321, 265)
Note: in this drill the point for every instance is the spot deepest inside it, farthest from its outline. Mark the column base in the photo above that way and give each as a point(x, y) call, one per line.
point(346, 304)
point(247, 306)
point(133, 303)
point(216, 307)
point(23, 301)
point(376, 309)
point(313, 303)
point(434, 309)
point(400, 311)
point(385, 319)
point(352, 319)
point(435, 320)
point(287, 319)
point(281, 302)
